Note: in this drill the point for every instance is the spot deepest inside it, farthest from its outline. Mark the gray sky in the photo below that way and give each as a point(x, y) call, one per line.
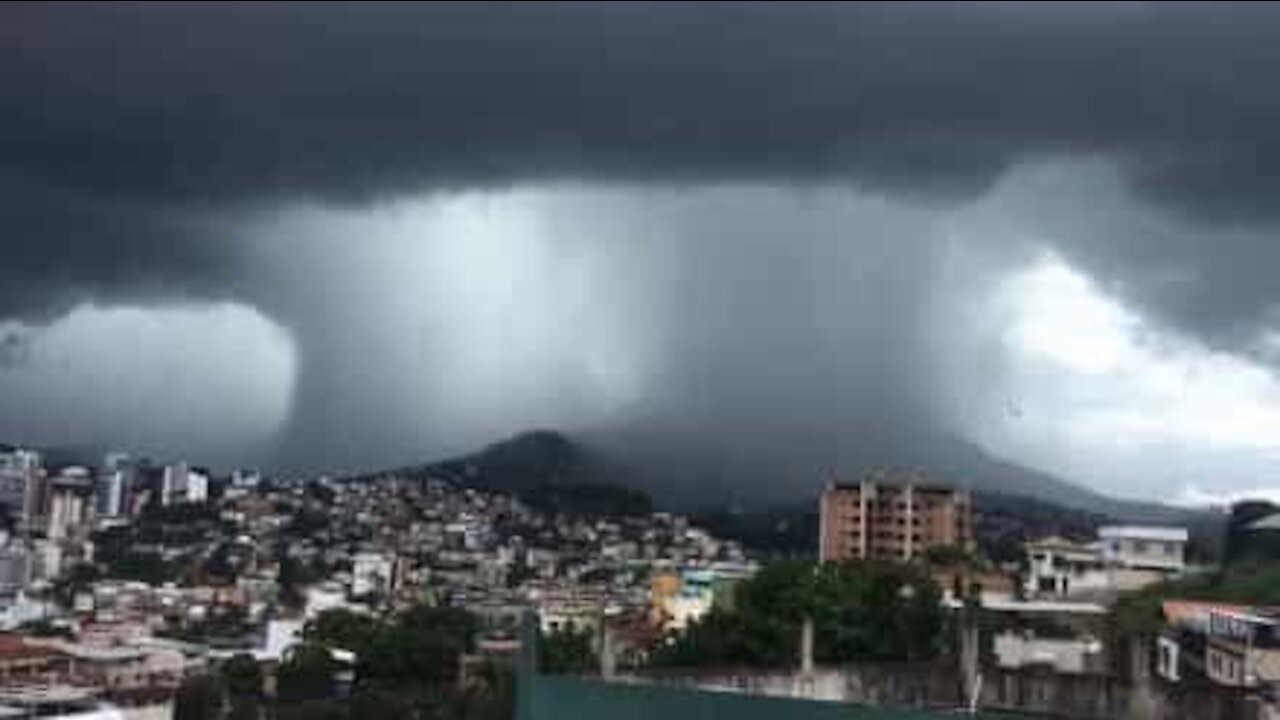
point(794, 237)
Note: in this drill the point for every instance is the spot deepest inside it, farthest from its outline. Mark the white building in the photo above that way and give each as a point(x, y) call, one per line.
point(246, 478)
point(182, 484)
point(1057, 567)
point(1243, 648)
point(197, 486)
point(1144, 547)
point(109, 494)
point(111, 489)
point(19, 469)
point(173, 485)
point(371, 573)
point(1125, 557)
point(1065, 655)
point(70, 508)
point(14, 566)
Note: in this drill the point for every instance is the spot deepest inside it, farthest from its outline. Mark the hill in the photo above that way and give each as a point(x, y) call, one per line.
point(543, 468)
point(553, 472)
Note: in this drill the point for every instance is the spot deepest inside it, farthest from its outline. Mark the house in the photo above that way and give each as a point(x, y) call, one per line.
point(1160, 549)
point(1125, 557)
point(1243, 647)
point(24, 662)
point(1058, 567)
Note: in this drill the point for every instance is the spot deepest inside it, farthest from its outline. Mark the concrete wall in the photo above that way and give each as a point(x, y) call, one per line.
point(1039, 691)
point(157, 711)
point(1014, 650)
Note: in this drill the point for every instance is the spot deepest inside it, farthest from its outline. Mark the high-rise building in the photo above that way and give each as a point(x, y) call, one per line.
point(112, 487)
point(173, 488)
point(891, 519)
point(70, 504)
point(197, 486)
point(22, 485)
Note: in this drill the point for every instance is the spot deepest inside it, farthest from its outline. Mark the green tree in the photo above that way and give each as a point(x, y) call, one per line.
point(860, 610)
point(307, 674)
point(343, 629)
point(198, 698)
point(422, 647)
point(242, 678)
point(567, 652)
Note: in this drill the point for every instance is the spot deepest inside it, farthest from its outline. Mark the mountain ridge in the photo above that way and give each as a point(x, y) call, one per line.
point(543, 458)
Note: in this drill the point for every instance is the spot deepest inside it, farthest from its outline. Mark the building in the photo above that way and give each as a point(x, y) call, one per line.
point(14, 565)
point(246, 478)
point(24, 662)
point(197, 486)
point(1057, 567)
point(23, 486)
point(371, 573)
point(1072, 655)
point(892, 521)
point(173, 484)
point(1123, 558)
point(1160, 549)
point(114, 483)
point(1243, 647)
point(20, 470)
point(70, 504)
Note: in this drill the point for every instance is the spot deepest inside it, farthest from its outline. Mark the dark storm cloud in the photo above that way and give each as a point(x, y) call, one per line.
point(63, 246)
point(345, 101)
point(214, 103)
point(137, 142)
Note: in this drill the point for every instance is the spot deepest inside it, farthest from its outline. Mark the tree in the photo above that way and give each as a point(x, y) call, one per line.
point(198, 698)
point(342, 629)
point(422, 647)
point(243, 680)
point(295, 575)
point(860, 610)
point(307, 674)
point(567, 652)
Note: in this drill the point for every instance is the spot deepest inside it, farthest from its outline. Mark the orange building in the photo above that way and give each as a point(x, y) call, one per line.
point(891, 521)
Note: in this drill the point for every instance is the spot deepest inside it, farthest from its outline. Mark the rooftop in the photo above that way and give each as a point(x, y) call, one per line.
point(1270, 522)
point(1143, 532)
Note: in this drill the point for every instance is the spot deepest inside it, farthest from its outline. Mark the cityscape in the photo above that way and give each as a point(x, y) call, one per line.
point(136, 588)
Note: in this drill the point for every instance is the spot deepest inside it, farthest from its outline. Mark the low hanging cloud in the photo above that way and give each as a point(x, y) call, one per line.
point(213, 380)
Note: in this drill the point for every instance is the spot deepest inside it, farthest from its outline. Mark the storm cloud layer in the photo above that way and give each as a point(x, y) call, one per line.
point(768, 222)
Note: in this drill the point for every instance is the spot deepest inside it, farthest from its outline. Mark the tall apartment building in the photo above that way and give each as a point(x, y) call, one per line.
point(891, 520)
point(22, 485)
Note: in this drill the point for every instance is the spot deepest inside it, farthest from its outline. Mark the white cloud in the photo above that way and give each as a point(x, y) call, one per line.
point(188, 379)
point(1195, 496)
point(1103, 395)
point(1118, 380)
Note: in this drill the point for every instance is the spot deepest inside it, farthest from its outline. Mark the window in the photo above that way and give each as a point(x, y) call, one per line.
point(1171, 548)
point(1140, 546)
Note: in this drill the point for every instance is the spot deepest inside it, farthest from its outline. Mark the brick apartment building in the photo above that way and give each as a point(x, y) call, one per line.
point(891, 520)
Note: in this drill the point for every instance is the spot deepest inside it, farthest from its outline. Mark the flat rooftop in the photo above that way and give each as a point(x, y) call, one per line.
point(1143, 532)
